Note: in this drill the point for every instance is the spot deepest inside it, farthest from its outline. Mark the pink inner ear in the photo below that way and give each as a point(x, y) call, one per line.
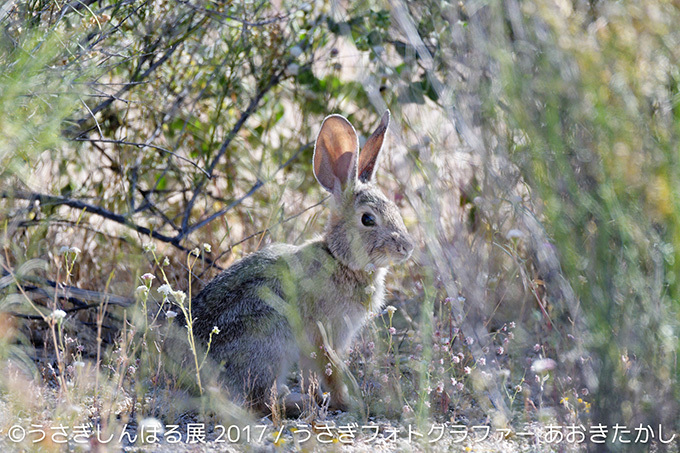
point(335, 154)
point(343, 166)
point(368, 159)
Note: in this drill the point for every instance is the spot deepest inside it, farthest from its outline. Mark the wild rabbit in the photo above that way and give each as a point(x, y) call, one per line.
point(304, 304)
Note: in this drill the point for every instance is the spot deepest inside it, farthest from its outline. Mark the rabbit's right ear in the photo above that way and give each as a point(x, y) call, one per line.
point(335, 154)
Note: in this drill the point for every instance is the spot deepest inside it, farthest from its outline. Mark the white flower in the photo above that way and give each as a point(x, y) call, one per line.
point(64, 249)
point(75, 250)
point(467, 370)
point(170, 314)
point(391, 309)
point(207, 247)
point(79, 364)
point(370, 268)
point(196, 251)
point(295, 51)
point(58, 315)
point(542, 365)
point(293, 69)
point(165, 289)
point(149, 247)
point(166, 261)
point(514, 234)
point(312, 355)
point(215, 330)
point(141, 289)
point(148, 277)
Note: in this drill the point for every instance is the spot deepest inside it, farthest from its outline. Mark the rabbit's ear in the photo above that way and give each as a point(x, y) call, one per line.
point(335, 152)
point(368, 159)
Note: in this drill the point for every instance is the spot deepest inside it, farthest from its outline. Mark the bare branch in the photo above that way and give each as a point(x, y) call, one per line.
point(80, 205)
point(141, 146)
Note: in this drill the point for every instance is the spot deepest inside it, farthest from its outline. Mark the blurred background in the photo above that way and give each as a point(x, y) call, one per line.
point(533, 151)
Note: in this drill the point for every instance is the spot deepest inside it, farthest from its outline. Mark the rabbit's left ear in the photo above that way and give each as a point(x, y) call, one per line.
point(368, 158)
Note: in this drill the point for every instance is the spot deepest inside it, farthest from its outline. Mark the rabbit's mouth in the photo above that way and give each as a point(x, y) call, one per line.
point(393, 252)
point(402, 256)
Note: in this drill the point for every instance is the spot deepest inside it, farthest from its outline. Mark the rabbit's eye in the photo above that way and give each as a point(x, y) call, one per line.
point(368, 220)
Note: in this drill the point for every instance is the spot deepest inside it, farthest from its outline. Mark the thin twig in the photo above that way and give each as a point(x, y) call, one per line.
point(101, 135)
point(141, 146)
point(260, 23)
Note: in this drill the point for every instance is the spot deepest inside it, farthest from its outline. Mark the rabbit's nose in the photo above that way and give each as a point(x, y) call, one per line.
point(404, 244)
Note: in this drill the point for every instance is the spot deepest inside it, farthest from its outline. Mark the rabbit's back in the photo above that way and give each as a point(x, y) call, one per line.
point(236, 294)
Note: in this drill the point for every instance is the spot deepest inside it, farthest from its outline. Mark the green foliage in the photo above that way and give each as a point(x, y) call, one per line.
point(32, 81)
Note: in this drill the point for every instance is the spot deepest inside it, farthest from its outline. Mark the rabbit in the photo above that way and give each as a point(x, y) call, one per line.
point(288, 304)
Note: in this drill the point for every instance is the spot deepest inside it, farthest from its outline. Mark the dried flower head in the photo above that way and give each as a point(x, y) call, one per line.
point(165, 289)
point(179, 296)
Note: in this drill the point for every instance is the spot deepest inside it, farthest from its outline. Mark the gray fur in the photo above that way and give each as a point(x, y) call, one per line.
point(275, 306)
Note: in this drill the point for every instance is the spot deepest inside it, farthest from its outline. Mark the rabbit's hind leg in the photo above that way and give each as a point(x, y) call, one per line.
point(261, 364)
